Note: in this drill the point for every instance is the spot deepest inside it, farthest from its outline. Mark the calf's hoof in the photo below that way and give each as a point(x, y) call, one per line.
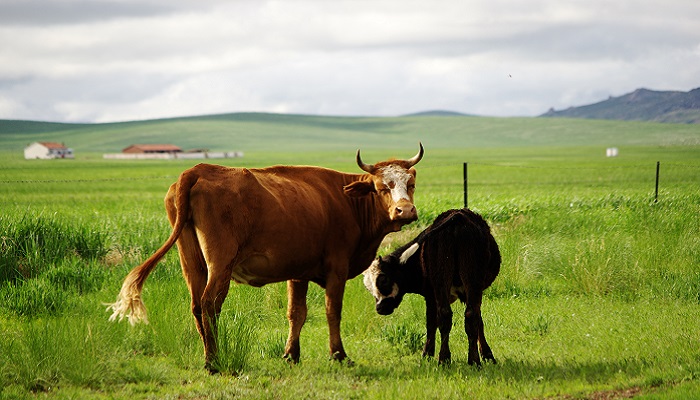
point(211, 369)
point(445, 362)
point(476, 363)
point(445, 357)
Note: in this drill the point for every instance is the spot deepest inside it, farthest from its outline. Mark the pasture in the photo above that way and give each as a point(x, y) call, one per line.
point(599, 291)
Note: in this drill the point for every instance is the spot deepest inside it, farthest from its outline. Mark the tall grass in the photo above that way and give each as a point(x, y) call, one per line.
point(31, 244)
point(235, 343)
point(45, 262)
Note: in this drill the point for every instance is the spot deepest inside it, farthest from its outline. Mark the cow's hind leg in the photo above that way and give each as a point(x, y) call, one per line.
point(212, 299)
point(194, 268)
point(296, 314)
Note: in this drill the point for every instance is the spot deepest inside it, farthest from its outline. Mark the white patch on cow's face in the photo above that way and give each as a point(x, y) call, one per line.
point(396, 179)
point(408, 253)
point(370, 281)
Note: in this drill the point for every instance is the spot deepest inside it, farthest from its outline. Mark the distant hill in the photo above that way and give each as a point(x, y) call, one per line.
point(641, 105)
point(262, 133)
point(438, 113)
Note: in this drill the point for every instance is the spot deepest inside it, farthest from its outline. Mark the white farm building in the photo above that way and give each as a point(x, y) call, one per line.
point(47, 150)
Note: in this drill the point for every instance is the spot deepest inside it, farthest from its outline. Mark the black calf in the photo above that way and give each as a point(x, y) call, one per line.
point(455, 257)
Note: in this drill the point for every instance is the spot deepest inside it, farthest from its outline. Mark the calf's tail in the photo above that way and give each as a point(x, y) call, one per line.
point(129, 303)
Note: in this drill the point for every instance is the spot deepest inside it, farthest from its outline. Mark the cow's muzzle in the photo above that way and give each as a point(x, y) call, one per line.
point(404, 211)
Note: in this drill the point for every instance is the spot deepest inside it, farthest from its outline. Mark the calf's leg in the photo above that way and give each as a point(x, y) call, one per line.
point(484, 347)
point(430, 325)
point(472, 330)
point(474, 327)
point(444, 317)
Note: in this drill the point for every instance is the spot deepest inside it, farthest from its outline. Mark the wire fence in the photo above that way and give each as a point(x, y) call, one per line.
point(536, 179)
point(540, 180)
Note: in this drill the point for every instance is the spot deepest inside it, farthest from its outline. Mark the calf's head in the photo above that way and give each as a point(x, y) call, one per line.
point(386, 278)
point(393, 182)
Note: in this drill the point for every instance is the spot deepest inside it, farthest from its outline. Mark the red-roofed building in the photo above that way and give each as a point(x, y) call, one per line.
point(47, 150)
point(152, 149)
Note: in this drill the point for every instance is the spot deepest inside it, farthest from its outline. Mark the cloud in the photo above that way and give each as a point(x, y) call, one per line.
point(52, 12)
point(121, 60)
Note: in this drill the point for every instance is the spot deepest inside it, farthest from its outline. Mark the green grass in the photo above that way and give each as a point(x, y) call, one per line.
point(599, 290)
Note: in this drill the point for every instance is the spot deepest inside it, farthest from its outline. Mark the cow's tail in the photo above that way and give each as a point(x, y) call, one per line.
point(129, 304)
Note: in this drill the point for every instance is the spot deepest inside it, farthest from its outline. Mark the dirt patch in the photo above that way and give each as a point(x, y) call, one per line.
point(614, 394)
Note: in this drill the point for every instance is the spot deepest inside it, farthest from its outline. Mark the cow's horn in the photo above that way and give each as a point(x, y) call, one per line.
point(365, 167)
point(408, 253)
point(413, 161)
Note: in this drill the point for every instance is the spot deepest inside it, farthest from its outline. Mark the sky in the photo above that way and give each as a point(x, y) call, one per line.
point(124, 60)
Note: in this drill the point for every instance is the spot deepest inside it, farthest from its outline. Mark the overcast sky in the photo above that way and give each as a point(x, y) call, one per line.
point(121, 60)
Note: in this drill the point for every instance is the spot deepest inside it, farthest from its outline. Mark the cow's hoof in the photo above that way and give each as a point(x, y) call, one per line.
point(290, 359)
point(342, 359)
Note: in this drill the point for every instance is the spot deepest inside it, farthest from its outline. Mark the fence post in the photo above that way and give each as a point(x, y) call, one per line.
point(466, 199)
point(656, 191)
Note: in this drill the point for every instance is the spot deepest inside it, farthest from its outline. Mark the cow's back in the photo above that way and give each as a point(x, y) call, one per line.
point(273, 224)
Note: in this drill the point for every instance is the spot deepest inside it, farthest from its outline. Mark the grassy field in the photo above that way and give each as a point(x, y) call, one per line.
point(598, 296)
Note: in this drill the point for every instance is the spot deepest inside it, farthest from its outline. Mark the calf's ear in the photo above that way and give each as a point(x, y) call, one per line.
point(359, 188)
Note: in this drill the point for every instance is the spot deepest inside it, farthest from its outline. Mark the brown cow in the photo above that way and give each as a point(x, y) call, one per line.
point(282, 223)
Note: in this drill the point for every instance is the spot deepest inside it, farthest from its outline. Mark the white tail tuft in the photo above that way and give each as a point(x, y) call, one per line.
point(129, 304)
point(408, 253)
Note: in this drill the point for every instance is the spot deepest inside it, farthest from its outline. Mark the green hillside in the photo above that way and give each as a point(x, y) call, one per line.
point(259, 132)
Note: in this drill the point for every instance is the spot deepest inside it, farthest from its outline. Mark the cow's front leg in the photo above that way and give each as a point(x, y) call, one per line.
point(296, 314)
point(335, 288)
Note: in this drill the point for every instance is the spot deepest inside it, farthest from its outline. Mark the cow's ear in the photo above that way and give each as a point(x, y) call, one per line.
point(359, 188)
